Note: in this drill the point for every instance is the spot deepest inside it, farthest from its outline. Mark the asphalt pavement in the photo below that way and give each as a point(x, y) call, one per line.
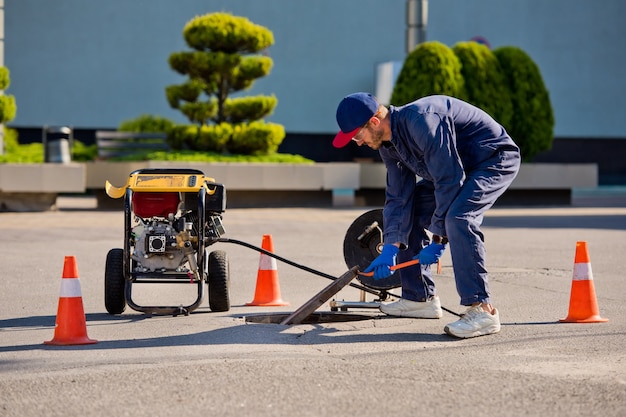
point(224, 364)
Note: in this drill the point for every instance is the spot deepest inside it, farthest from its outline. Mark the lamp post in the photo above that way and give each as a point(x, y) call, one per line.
point(416, 23)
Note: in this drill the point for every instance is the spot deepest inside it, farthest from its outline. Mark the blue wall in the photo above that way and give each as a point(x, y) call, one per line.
point(92, 64)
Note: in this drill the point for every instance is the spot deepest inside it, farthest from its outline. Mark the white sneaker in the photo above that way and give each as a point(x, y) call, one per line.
point(475, 322)
point(430, 309)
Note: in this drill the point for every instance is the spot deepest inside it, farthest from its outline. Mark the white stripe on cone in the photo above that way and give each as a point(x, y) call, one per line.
point(267, 263)
point(582, 272)
point(70, 287)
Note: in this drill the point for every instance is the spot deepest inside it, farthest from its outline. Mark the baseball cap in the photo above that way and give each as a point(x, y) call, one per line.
point(352, 113)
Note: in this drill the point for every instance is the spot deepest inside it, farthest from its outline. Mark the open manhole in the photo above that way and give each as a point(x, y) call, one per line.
point(313, 318)
point(306, 313)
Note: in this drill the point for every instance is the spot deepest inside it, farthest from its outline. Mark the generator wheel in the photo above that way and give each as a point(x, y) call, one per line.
point(219, 281)
point(114, 299)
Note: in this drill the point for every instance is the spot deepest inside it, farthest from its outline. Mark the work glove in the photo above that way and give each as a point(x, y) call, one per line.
point(431, 253)
point(383, 262)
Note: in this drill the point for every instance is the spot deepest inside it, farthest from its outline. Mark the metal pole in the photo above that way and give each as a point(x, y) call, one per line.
point(416, 23)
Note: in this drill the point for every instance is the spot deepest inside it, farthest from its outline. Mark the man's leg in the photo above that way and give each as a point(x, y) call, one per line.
point(418, 288)
point(467, 248)
point(480, 191)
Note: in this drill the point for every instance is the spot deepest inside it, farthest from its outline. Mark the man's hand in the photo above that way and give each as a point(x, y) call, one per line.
point(431, 253)
point(383, 262)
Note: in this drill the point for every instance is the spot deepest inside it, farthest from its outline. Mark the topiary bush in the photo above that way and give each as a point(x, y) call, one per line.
point(256, 138)
point(431, 68)
point(485, 83)
point(8, 109)
point(225, 59)
point(532, 126)
point(146, 123)
point(212, 138)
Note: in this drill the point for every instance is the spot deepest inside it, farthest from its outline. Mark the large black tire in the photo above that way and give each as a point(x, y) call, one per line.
point(114, 282)
point(219, 281)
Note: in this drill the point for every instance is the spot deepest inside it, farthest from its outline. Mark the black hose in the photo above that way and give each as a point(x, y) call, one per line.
point(314, 271)
point(294, 264)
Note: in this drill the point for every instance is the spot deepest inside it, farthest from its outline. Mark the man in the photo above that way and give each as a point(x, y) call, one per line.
point(466, 160)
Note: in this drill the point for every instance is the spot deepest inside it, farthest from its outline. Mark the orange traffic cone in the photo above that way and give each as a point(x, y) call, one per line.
point(71, 328)
point(583, 307)
point(267, 291)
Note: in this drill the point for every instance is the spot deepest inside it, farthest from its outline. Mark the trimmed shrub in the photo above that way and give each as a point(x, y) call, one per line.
point(11, 140)
point(5, 79)
point(214, 137)
point(211, 138)
point(485, 82)
point(227, 33)
point(146, 123)
point(256, 138)
point(8, 108)
point(532, 126)
point(225, 59)
point(237, 110)
point(431, 68)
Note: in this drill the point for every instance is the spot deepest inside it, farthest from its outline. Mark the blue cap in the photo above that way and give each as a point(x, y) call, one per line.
point(352, 113)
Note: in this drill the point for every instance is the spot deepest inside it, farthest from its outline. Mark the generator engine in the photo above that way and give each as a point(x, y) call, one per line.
point(166, 234)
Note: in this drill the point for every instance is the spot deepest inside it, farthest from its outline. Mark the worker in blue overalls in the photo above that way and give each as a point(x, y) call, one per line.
point(465, 160)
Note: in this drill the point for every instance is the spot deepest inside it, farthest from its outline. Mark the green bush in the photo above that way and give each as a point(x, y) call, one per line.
point(237, 110)
point(15, 153)
point(11, 140)
point(211, 138)
point(227, 33)
point(214, 137)
point(431, 68)
point(225, 59)
point(533, 122)
point(192, 156)
point(256, 138)
point(485, 82)
point(147, 123)
point(5, 79)
point(82, 152)
point(7, 108)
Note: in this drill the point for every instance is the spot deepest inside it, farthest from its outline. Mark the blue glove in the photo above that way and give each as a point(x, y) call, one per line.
point(431, 253)
point(383, 262)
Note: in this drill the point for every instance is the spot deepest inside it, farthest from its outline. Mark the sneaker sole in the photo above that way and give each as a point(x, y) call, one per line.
point(484, 332)
point(414, 315)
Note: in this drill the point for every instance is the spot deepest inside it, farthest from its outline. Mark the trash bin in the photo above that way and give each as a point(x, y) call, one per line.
point(57, 144)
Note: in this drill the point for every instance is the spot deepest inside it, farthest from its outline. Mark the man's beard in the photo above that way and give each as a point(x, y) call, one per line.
point(376, 140)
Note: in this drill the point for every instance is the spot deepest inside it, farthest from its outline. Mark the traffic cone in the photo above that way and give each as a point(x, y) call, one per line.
point(583, 307)
point(267, 291)
point(71, 328)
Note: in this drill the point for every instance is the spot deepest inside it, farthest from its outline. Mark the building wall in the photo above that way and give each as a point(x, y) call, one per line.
point(96, 63)
point(92, 64)
point(578, 45)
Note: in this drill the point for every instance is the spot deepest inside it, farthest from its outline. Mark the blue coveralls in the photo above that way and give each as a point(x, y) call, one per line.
point(466, 161)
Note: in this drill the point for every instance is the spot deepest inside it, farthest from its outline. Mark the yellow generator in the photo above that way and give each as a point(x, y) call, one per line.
point(171, 217)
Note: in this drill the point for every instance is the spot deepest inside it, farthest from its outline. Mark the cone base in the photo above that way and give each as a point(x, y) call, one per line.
point(592, 319)
point(69, 342)
point(276, 303)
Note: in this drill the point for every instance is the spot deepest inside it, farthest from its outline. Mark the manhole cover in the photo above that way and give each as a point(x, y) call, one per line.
point(314, 318)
